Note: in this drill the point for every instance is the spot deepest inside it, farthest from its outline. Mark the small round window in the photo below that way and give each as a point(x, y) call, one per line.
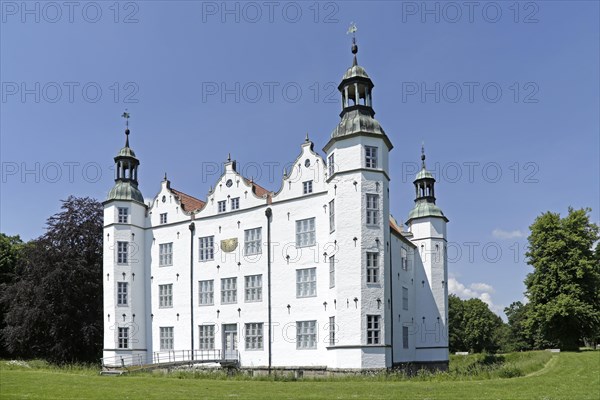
point(307, 163)
point(229, 183)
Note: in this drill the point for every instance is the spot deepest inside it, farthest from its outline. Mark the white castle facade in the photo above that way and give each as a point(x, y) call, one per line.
point(315, 275)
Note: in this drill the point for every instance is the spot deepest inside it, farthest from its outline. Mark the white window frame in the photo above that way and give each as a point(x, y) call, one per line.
point(221, 206)
point(253, 288)
point(253, 241)
point(332, 272)
point(206, 248)
point(331, 164)
point(206, 336)
point(165, 254)
point(404, 298)
point(123, 215)
point(372, 209)
point(165, 295)
point(372, 267)
point(123, 337)
point(254, 336)
point(235, 203)
point(404, 259)
point(332, 339)
point(122, 252)
point(229, 290)
point(166, 338)
point(305, 232)
point(306, 282)
point(122, 294)
point(371, 157)
point(163, 218)
point(206, 292)
point(332, 216)
point(373, 329)
point(307, 187)
point(306, 335)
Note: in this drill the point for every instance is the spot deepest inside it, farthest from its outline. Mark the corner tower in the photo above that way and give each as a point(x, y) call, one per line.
point(427, 223)
point(357, 173)
point(124, 275)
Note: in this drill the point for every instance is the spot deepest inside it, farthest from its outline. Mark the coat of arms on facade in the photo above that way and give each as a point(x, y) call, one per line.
point(229, 245)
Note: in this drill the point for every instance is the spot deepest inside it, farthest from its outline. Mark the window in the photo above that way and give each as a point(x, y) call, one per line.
point(307, 187)
point(305, 232)
point(206, 295)
point(331, 165)
point(331, 216)
point(166, 338)
point(122, 293)
point(372, 209)
point(373, 329)
point(235, 203)
point(404, 298)
point(207, 251)
point(370, 157)
point(207, 337)
point(165, 254)
point(332, 331)
point(222, 206)
point(163, 218)
point(372, 267)
point(123, 217)
point(123, 338)
point(405, 337)
point(404, 259)
point(252, 241)
point(253, 288)
point(332, 271)
point(254, 336)
point(122, 252)
point(228, 290)
point(165, 296)
point(306, 282)
point(306, 334)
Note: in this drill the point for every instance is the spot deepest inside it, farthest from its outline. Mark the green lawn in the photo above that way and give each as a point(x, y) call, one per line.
point(565, 376)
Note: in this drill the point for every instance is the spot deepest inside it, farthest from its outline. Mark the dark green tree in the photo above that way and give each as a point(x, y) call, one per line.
point(563, 288)
point(518, 338)
point(11, 250)
point(54, 305)
point(472, 326)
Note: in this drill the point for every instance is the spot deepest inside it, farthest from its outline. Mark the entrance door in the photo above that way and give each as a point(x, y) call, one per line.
point(230, 341)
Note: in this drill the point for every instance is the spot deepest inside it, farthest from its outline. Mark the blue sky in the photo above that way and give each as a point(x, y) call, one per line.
point(505, 96)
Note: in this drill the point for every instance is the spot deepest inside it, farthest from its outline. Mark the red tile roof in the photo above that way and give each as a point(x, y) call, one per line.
point(188, 203)
point(394, 226)
point(257, 189)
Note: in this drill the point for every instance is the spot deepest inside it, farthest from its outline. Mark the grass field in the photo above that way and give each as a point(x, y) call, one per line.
point(543, 376)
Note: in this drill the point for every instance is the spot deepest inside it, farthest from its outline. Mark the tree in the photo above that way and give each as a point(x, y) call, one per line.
point(563, 287)
point(518, 339)
point(472, 326)
point(11, 250)
point(54, 305)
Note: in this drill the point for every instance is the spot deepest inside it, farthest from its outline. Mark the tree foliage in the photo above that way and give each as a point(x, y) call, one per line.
point(54, 305)
point(472, 326)
point(11, 250)
point(563, 288)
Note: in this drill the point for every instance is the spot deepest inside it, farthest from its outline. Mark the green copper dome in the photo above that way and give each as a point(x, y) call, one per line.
point(126, 152)
point(425, 209)
point(125, 191)
point(424, 174)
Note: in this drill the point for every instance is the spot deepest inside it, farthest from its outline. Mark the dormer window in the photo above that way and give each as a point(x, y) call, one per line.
point(163, 218)
point(222, 205)
point(370, 157)
point(307, 187)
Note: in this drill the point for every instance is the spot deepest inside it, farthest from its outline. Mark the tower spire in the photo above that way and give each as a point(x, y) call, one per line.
point(423, 155)
point(352, 30)
point(126, 115)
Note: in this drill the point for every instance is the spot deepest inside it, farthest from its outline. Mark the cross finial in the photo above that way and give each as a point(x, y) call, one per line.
point(423, 155)
point(352, 30)
point(126, 116)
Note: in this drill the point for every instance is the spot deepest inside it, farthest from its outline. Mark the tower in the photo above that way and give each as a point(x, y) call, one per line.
point(427, 223)
point(358, 177)
point(123, 272)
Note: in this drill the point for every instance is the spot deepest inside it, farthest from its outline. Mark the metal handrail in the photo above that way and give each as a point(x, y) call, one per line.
point(122, 361)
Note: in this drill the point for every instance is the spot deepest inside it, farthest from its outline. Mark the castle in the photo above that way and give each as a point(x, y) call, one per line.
point(316, 275)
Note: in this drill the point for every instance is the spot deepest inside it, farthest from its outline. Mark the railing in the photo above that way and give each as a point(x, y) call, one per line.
point(171, 356)
point(123, 360)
